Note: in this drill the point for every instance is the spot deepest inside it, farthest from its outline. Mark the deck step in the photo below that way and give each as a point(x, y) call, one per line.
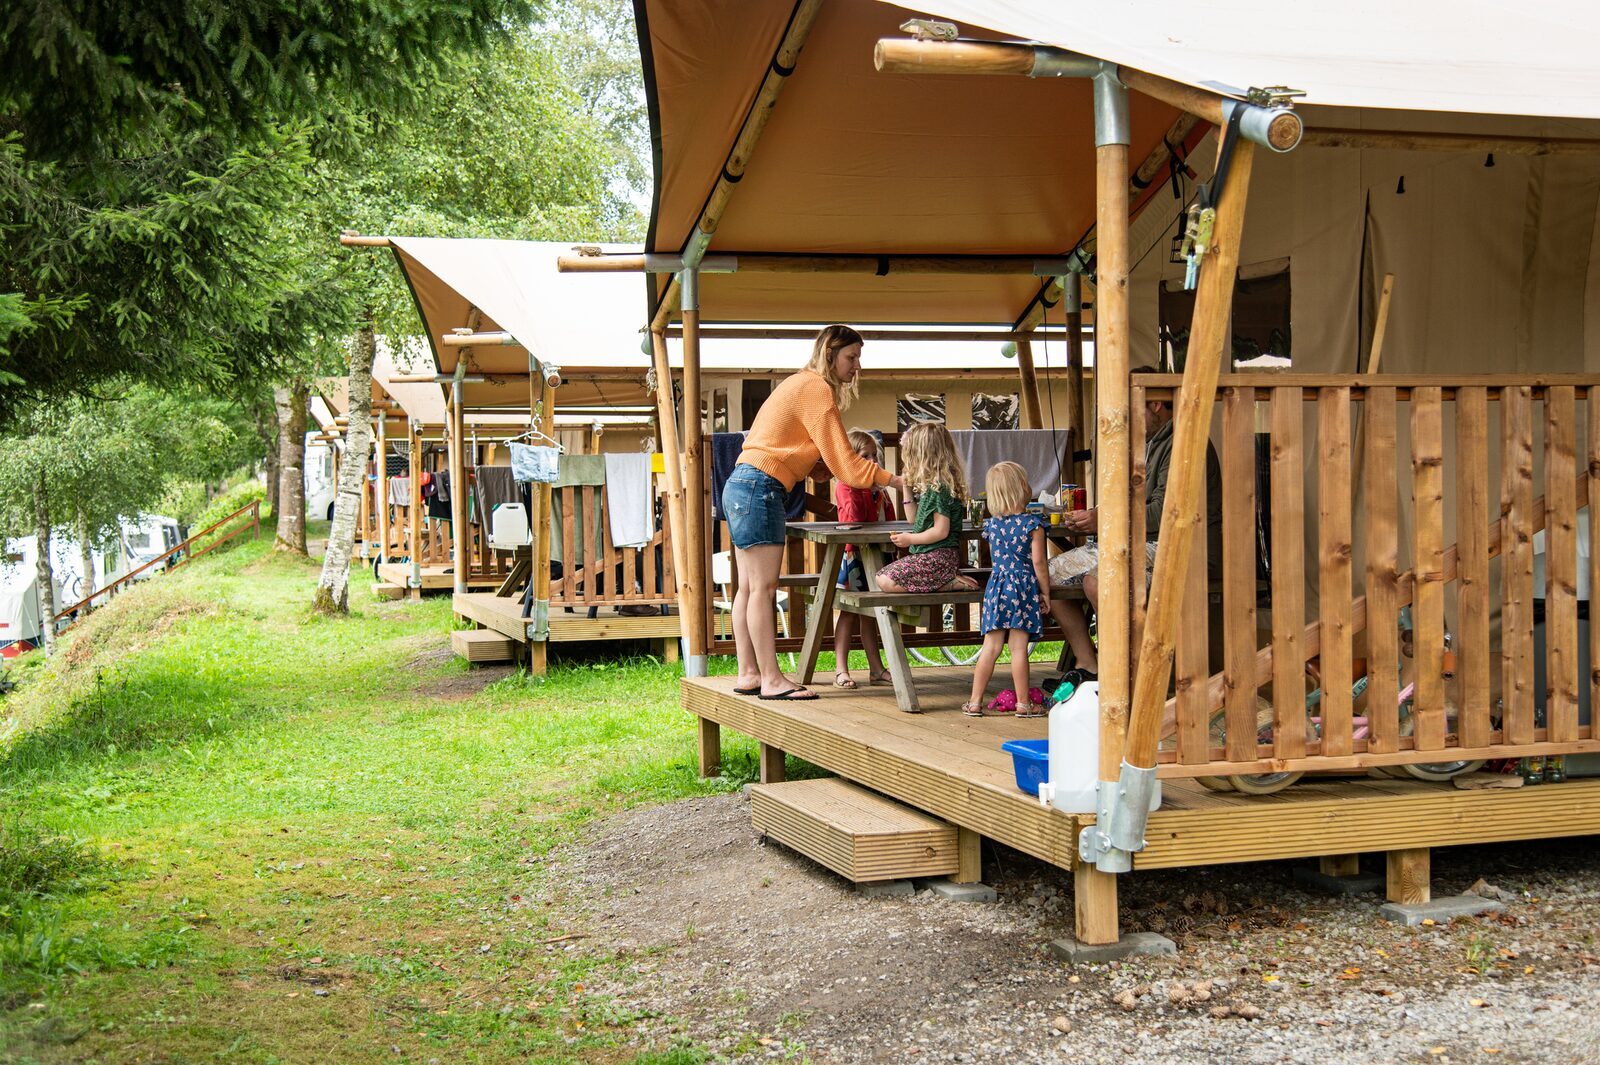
point(481, 645)
point(857, 833)
point(389, 591)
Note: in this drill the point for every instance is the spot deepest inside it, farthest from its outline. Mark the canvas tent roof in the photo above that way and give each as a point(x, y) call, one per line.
point(590, 325)
point(857, 162)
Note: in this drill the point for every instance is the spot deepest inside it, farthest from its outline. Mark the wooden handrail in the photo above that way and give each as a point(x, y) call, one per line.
point(254, 506)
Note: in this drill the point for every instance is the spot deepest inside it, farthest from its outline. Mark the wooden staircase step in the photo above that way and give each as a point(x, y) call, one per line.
point(857, 833)
point(481, 645)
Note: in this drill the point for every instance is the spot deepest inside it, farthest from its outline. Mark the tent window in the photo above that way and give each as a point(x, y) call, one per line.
point(990, 411)
point(1260, 316)
point(719, 410)
point(753, 394)
point(916, 407)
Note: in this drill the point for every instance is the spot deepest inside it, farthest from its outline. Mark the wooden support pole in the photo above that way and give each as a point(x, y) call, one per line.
point(414, 505)
point(667, 419)
point(1340, 864)
point(1028, 381)
point(710, 744)
point(969, 856)
point(1077, 417)
point(544, 422)
point(1094, 904)
point(1111, 453)
point(772, 766)
point(364, 528)
point(744, 145)
point(698, 549)
point(1410, 876)
point(461, 560)
point(382, 499)
point(1208, 343)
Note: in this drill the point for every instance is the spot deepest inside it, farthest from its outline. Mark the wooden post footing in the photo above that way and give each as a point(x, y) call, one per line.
point(772, 768)
point(969, 853)
point(710, 747)
point(1409, 881)
point(1094, 899)
point(1340, 864)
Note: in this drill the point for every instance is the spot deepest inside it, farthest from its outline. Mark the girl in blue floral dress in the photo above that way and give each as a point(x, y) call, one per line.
point(1018, 593)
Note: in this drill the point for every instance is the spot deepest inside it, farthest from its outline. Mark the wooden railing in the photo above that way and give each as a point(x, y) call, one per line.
point(602, 574)
point(1470, 696)
point(177, 555)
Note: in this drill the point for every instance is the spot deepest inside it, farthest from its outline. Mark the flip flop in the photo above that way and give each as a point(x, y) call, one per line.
point(788, 696)
point(748, 691)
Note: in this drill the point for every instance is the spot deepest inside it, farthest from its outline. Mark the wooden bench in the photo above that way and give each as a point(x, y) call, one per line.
point(857, 833)
point(914, 607)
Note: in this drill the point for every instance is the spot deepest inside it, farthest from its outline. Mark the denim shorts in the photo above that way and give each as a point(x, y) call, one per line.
point(756, 504)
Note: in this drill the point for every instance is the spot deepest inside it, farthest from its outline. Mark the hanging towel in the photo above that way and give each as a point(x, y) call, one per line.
point(725, 448)
point(538, 464)
point(495, 486)
point(441, 486)
point(628, 498)
point(580, 469)
point(400, 491)
point(1036, 450)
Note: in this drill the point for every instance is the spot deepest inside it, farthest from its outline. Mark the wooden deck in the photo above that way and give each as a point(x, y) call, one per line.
point(952, 766)
point(503, 614)
point(435, 578)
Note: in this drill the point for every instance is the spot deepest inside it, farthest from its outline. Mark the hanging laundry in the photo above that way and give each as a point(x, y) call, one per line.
point(628, 498)
point(495, 485)
point(535, 463)
point(400, 491)
point(725, 448)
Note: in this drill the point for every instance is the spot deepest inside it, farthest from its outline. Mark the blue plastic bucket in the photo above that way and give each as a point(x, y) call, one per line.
point(1030, 760)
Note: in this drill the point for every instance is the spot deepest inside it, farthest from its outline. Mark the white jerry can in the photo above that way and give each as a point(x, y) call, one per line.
point(508, 527)
point(1074, 781)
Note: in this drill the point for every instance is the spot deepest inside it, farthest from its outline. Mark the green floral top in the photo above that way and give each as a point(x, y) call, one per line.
point(937, 500)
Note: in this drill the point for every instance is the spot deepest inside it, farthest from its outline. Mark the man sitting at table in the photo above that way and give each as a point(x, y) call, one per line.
point(1080, 565)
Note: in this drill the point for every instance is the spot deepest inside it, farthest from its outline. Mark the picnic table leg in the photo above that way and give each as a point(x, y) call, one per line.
point(821, 608)
point(894, 647)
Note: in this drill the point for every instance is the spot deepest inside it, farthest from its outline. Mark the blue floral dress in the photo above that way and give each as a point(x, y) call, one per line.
point(1011, 598)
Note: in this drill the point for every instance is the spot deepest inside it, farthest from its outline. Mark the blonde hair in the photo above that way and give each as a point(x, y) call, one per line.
point(929, 460)
point(828, 343)
point(1007, 488)
point(861, 440)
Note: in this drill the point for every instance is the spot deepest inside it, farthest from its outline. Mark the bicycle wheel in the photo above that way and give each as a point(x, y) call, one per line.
point(1432, 771)
point(1251, 783)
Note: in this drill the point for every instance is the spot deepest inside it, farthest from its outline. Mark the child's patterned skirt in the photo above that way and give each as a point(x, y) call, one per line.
point(928, 571)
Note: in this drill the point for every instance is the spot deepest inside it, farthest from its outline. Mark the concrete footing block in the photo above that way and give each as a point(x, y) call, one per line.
point(882, 889)
point(1440, 911)
point(1316, 880)
point(946, 888)
point(1132, 943)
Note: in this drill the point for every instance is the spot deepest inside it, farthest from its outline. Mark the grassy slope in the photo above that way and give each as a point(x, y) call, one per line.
point(314, 849)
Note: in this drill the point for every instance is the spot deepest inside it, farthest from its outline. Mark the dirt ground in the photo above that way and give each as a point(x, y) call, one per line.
point(760, 954)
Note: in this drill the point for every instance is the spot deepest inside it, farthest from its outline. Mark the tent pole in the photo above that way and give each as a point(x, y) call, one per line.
point(1029, 382)
point(667, 418)
point(1072, 295)
point(382, 499)
point(1111, 448)
point(539, 638)
point(1183, 510)
point(414, 519)
point(744, 146)
point(694, 476)
point(460, 563)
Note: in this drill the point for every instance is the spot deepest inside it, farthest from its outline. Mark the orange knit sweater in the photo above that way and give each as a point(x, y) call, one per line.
point(800, 423)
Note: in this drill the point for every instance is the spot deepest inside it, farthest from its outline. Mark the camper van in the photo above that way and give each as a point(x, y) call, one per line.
point(321, 483)
point(19, 590)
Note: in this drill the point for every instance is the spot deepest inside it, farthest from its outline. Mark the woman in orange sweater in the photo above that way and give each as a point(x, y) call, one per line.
point(798, 424)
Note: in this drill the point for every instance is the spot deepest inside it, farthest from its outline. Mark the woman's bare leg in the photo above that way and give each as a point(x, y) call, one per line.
point(753, 627)
point(1070, 617)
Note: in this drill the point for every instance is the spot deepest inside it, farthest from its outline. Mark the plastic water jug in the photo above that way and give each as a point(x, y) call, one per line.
point(1075, 753)
point(508, 527)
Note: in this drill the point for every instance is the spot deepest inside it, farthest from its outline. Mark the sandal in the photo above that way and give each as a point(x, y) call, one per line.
point(844, 680)
point(979, 710)
point(790, 695)
point(753, 690)
point(876, 679)
point(1032, 710)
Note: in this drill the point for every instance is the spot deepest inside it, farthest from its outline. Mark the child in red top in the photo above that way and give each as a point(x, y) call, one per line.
point(858, 506)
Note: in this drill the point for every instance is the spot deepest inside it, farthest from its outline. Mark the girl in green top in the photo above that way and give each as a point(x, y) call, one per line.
point(936, 484)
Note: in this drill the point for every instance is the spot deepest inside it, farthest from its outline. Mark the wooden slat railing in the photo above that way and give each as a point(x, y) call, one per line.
point(176, 555)
point(608, 575)
point(1470, 699)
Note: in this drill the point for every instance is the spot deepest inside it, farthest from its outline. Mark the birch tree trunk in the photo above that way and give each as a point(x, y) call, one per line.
point(291, 404)
point(333, 588)
point(86, 549)
point(43, 571)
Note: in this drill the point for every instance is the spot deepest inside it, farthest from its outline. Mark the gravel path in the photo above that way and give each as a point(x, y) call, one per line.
point(763, 955)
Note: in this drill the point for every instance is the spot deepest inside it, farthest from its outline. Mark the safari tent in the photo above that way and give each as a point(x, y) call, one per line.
point(1401, 205)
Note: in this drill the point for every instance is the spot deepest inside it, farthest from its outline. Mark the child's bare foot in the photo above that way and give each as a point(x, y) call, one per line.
point(961, 583)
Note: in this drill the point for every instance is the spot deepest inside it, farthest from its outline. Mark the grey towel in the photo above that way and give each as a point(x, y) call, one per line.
point(628, 498)
point(495, 486)
point(1036, 450)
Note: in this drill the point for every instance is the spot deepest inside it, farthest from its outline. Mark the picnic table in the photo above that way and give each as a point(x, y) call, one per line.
point(887, 608)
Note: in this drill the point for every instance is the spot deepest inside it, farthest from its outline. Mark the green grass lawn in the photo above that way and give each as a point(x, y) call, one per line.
point(228, 827)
